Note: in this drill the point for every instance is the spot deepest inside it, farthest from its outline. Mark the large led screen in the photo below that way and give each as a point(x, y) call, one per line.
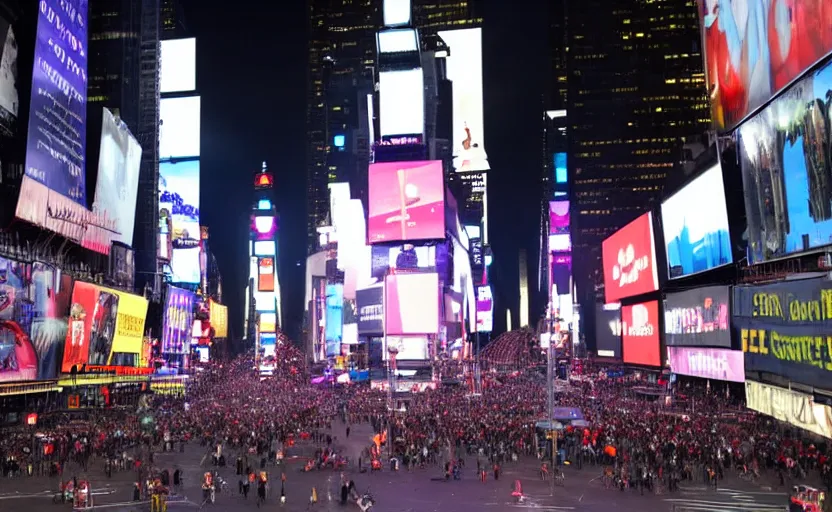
point(370, 306)
point(265, 274)
point(464, 68)
point(397, 41)
point(608, 330)
point(219, 318)
point(698, 318)
point(179, 199)
point(785, 153)
point(558, 217)
point(177, 322)
point(755, 48)
point(118, 177)
point(56, 142)
point(9, 100)
point(485, 309)
point(408, 348)
point(106, 328)
point(640, 334)
point(407, 201)
point(402, 102)
point(179, 127)
point(708, 363)
point(334, 318)
point(411, 304)
point(396, 12)
point(178, 65)
point(629, 260)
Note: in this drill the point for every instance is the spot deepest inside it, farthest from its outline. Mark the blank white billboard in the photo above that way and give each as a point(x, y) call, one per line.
point(402, 102)
point(396, 13)
point(464, 66)
point(179, 127)
point(178, 65)
point(398, 41)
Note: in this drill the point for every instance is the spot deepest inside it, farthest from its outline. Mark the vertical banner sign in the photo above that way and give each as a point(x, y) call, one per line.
point(178, 321)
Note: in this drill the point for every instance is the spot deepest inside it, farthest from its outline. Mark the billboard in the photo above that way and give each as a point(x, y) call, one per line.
point(695, 226)
point(9, 100)
point(558, 217)
point(708, 363)
point(608, 330)
point(784, 329)
point(407, 201)
point(485, 309)
point(798, 409)
point(179, 121)
point(219, 319)
point(268, 322)
point(178, 321)
point(118, 177)
point(402, 102)
point(106, 328)
point(411, 304)
point(561, 173)
point(640, 334)
point(265, 301)
point(753, 49)
point(629, 261)
point(263, 227)
point(179, 200)
point(178, 65)
point(699, 317)
point(265, 274)
point(334, 318)
point(408, 348)
point(784, 156)
point(464, 69)
point(396, 13)
point(370, 305)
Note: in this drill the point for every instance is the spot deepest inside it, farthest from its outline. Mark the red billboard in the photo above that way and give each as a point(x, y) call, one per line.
point(407, 201)
point(629, 259)
point(640, 334)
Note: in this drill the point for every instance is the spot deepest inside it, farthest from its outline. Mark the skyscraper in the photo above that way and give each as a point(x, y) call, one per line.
point(634, 96)
point(171, 19)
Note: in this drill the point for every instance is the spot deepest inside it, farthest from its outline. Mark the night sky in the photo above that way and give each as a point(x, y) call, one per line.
point(251, 73)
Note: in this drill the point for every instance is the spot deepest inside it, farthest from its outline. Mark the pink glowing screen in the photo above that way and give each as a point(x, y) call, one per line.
point(411, 304)
point(407, 201)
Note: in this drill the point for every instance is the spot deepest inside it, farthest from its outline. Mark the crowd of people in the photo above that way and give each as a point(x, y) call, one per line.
point(635, 440)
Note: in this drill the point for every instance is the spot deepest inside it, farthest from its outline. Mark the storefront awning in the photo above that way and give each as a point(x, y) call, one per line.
point(24, 388)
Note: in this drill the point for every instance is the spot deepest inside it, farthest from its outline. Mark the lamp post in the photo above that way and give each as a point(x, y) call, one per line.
point(550, 390)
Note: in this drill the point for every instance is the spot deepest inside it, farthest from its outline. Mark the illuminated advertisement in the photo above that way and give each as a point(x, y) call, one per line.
point(485, 309)
point(265, 302)
point(695, 230)
point(629, 261)
point(118, 178)
point(408, 348)
point(219, 319)
point(798, 409)
point(178, 66)
point(558, 217)
point(560, 243)
point(561, 174)
point(405, 257)
point(265, 274)
point(698, 318)
point(397, 41)
point(640, 334)
point(9, 100)
point(268, 322)
point(785, 329)
point(755, 48)
point(708, 363)
point(561, 273)
point(263, 227)
point(106, 328)
point(411, 304)
point(179, 199)
point(464, 69)
point(402, 102)
point(334, 318)
point(178, 321)
point(370, 305)
point(784, 156)
point(179, 127)
point(396, 13)
point(265, 248)
point(608, 330)
point(407, 201)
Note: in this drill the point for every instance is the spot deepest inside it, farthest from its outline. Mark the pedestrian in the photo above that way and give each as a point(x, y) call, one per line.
point(496, 471)
point(348, 431)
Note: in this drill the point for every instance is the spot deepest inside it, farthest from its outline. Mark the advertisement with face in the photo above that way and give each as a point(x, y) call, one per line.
point(558, 217)
point(640, 334)
point(177, 322)
point(629, 260)
point(118, 177)
point(402, 102)
point(50, 293)
point(753, 49)
point(179, 199)
point(9, 101)
point(485, 309)
point(411, 304)
point(334, 318)
point(464, 69)
point(106, 328)
point(698, 318)
point(608, 330)
point(708, 363)
point(695, 232)
point(407, 201)
point(370, 305)
point(18, 359)
point(219, 319)
point(784, 156)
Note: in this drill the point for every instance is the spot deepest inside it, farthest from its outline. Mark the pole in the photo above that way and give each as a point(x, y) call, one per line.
point(550, 397)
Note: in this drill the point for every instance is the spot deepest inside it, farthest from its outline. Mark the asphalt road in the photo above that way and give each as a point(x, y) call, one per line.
point(402, 491)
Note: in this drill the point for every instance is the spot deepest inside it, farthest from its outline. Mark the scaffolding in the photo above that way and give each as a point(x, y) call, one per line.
point(148, 271)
